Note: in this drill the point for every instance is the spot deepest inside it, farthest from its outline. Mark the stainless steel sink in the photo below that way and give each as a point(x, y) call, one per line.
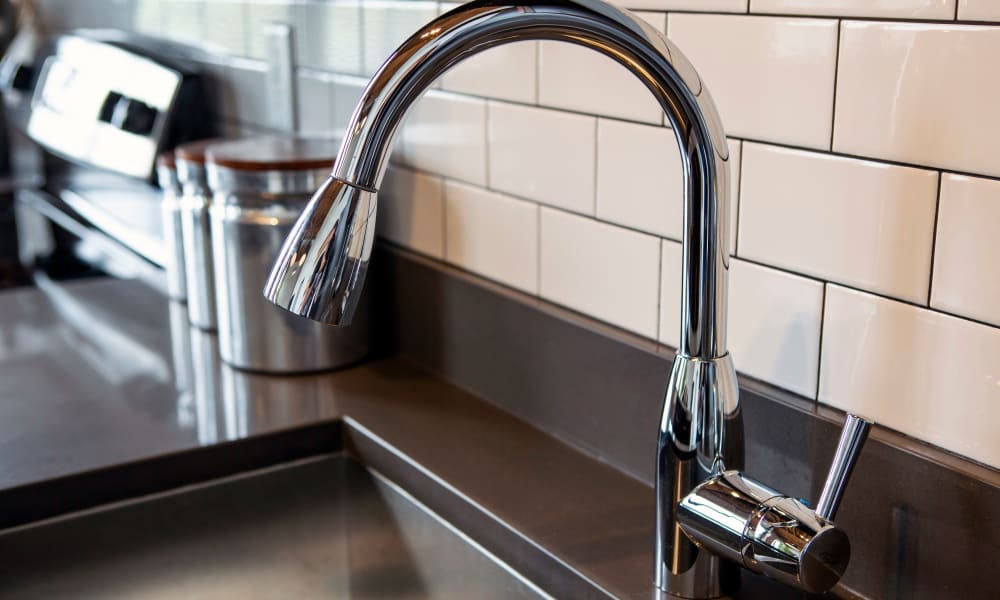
point(319, 527)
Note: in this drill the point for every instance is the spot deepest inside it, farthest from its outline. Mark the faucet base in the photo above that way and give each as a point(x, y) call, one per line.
point(701, 436)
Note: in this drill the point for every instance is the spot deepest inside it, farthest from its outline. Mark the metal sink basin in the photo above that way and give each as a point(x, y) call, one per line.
point(319, 527)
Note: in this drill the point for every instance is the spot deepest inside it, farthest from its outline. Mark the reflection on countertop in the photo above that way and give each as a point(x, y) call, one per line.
point(88, 379)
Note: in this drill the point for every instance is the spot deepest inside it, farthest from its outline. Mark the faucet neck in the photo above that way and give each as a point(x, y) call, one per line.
point(627, 39)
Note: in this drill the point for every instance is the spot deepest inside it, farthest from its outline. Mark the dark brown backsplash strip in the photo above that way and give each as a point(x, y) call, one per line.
point(922, 524)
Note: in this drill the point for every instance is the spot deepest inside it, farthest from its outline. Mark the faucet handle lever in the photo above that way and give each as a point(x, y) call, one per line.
point(852, 439)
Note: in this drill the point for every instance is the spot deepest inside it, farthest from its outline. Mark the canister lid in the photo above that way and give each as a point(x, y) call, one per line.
point(195, 151)
point(274, 154)
point(166, 160)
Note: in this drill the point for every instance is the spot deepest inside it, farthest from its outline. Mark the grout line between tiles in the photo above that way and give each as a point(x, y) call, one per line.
point(819, 356)
point(957, 2)
point(934, 236)
point(836, 74)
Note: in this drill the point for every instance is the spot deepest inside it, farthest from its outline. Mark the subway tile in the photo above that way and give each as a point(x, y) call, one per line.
point(639, 180)
point(862, 223)
point(901, 9)
point(670, 293)
point(149, 18)
point(916, 93)
point(446, 134)
point(508, 72)
point(774, 320)
point(259, 14)
point(493, 235)
point(774, 326)
point(543, 155)
point(184, 21)
point(601, 270)
point(328, 35)
point(966, 280)
point(979, 10)
point(315, 103)
point(347, 92)
point(736, 6)
point(577, 78)
point(228, 32)
point(411, 211)
point(389, 23)
point(771, 77)
point(926, 374)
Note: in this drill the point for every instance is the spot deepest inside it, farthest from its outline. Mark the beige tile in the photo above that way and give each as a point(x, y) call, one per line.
point(493, 235)
point(411, 211)
point(389, 23)
point(607, 272)
point(926, 374)
point(966, 279)
point(639, 180)
point(543, 155)
point(315, 103)
point(508, 72)
point(916, 93)
point(328, 35)
point(865, 224)
point(446, 134)
point(259, 14)
point(699, 5)
point(979, 10)
point(580, 79)
point(774, 326)
point(771, 77)
point(902, 9)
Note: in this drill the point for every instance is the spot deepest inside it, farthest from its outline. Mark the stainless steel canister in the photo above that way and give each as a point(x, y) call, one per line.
point(166, 173)
point(260, 187)
point(196, 233)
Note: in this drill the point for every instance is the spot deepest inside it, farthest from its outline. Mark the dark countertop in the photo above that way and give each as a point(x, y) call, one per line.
point(89, 378)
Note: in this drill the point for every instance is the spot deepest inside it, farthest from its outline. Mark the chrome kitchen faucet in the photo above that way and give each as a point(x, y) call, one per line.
point(710, 517)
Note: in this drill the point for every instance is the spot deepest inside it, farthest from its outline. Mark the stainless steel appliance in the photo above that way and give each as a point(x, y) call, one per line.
point(99, 106)
point(166, 176)
point(706, 508)
point(260, 187)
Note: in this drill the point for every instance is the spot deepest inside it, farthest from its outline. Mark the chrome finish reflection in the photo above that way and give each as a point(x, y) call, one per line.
point(173, 237)
point(321, 267)
point(852, 438)
point(197, 237)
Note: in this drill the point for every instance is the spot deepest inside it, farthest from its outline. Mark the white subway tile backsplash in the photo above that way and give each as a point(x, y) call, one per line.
point(774, 326)
point(184, 21)
point(577, 78)
point(771, 77)
point(737, 6)
point(493, 235)
point(387, 24)
point(866, 224)
point(774, 319)
point(966, 280)
point(315, 103)
point(902, 9)
point(347, 91)
point(328, 35)
point(228, 32)
point(917, 93)
point(639, 180)
point(259, 14)
point(979, 10)
point(602, 270)
point(543, 155)
point(411, 211)
point(927, 374)
point(446, 134)
point(508, 72)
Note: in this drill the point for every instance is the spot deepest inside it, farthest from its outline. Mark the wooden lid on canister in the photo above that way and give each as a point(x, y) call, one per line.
point(274, 154)
point(195, 151)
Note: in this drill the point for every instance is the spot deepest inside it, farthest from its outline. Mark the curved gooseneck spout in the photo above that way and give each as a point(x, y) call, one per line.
point(320, 270)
